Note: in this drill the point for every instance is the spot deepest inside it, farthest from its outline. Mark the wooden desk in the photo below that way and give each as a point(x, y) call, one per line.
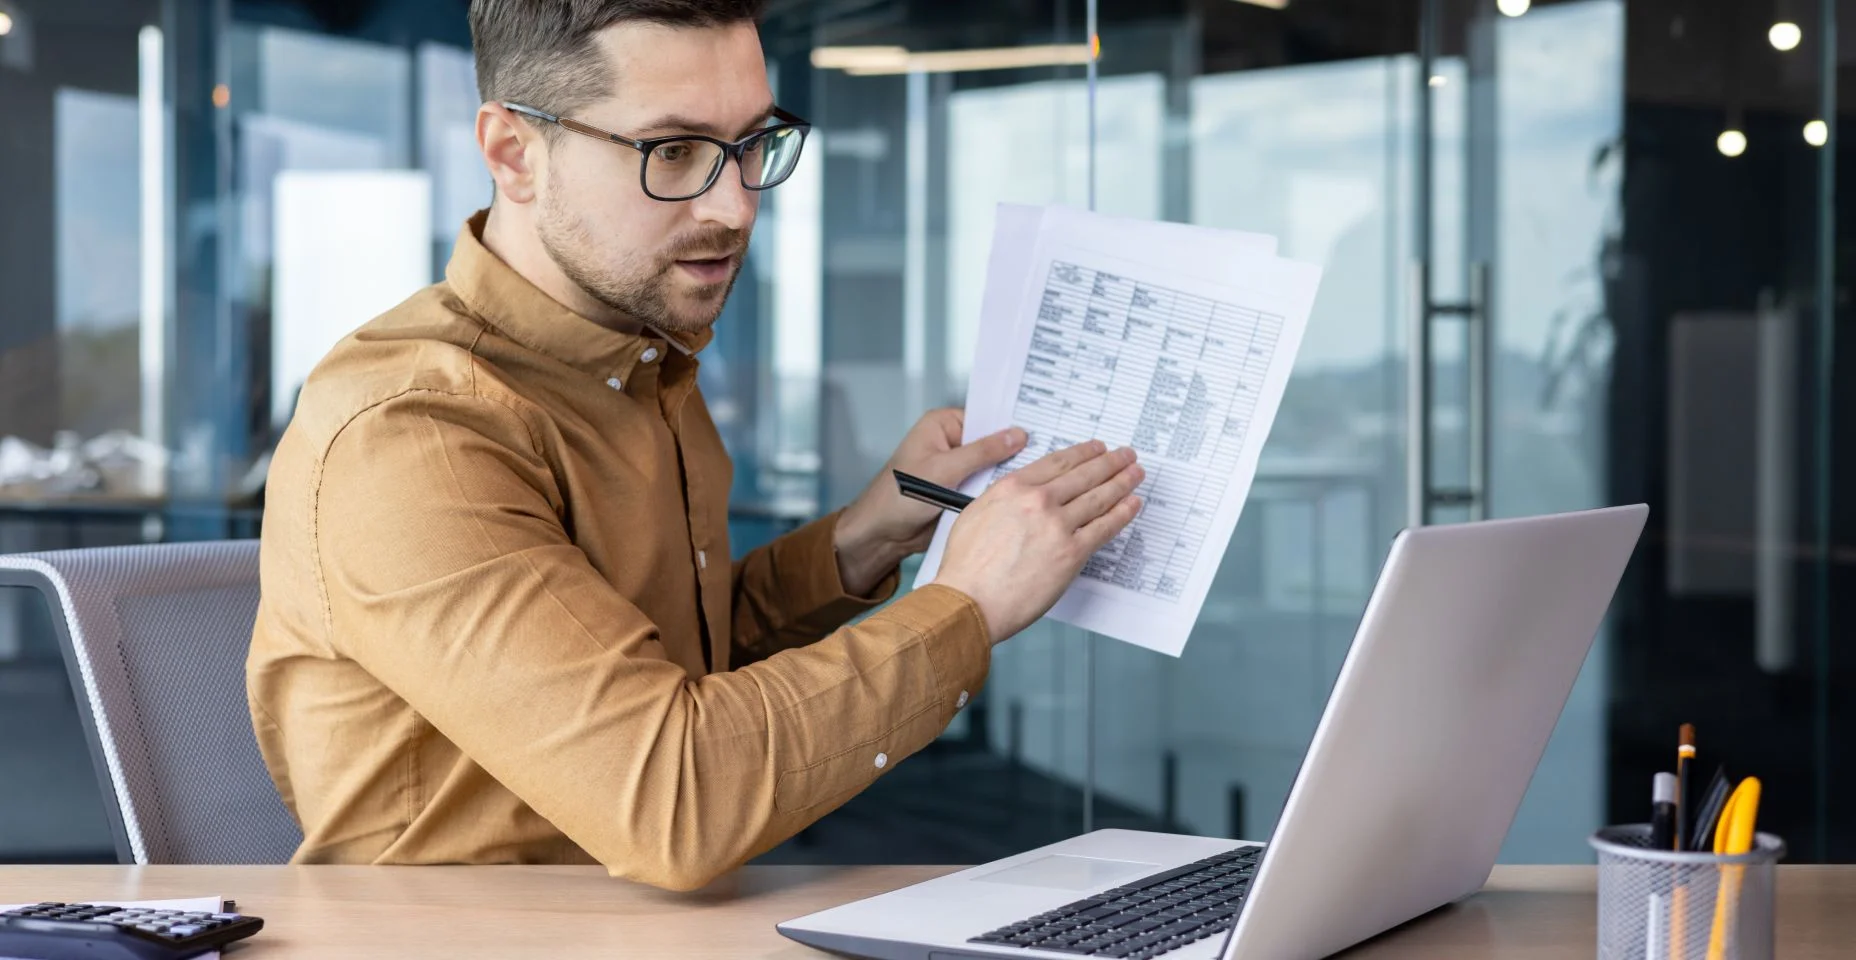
point(471, 912)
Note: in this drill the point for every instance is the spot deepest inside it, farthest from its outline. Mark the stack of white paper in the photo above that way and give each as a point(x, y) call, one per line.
point(1175, 340)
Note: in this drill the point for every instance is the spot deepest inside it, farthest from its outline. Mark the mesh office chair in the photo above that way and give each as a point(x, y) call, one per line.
point(154, 639)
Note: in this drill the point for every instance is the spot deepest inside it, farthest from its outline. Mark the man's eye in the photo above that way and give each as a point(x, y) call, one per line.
point(672, 152)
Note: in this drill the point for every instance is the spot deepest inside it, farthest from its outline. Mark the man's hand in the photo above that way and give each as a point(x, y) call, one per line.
point(1022, 542)
point(881, 526)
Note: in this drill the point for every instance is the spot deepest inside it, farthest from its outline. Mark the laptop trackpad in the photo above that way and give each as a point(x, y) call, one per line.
point(1067, 873)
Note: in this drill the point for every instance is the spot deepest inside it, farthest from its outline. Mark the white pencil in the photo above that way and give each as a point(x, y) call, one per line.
point(1653, 929)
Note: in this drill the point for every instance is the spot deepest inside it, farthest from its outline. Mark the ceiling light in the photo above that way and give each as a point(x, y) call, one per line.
point(1731, 143)
point(1817, 133)
point(999, 58)
point(1438, 79)
point(1513, 8)
point(1272, 4)
point(880, 61)
point(1785, 35)
point(6, 23)
point(847, 58)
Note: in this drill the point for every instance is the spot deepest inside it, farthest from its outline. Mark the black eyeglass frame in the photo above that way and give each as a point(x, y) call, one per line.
point(736, 149)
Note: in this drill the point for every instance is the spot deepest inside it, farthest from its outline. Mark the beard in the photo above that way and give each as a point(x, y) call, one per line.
point(641, 286)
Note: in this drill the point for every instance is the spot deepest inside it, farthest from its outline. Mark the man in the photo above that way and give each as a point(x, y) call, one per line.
point(499, 623)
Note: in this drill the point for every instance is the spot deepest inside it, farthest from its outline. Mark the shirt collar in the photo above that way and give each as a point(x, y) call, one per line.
point(504, 299)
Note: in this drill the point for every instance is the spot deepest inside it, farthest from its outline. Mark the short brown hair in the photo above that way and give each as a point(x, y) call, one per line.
point(540, 53)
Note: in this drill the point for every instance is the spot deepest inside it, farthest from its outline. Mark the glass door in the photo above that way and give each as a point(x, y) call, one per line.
point(1519, 215)
point(1519, 170)
point(1296, 120)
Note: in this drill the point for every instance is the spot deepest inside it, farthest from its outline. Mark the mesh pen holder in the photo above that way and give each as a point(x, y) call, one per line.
point(1658, 904)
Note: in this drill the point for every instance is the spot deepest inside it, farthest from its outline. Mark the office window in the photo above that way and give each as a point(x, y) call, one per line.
point(1638, 199)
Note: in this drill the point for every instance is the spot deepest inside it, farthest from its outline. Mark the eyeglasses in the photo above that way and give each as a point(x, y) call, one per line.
point(684, 167)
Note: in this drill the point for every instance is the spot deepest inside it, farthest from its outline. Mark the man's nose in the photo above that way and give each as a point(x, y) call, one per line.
point(728, 203)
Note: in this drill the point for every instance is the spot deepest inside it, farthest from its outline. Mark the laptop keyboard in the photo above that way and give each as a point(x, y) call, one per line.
point(1146, 918)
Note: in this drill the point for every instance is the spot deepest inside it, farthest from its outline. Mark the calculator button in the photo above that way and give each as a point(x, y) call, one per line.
point(228, 916)
point(152, 927)
point(184, 930)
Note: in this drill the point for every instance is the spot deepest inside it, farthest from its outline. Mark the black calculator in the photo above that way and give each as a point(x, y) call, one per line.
point(83, 931)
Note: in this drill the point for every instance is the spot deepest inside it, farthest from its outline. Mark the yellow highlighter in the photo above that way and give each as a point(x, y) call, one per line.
point(1733, 836)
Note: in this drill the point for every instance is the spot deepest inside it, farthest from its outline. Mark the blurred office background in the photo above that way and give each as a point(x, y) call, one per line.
point(1577, 253)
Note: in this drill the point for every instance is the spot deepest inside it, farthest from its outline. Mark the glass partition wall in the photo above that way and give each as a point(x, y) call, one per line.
point(1576, 253)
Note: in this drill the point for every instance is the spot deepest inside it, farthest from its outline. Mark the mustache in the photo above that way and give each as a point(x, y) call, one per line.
point(708, 244)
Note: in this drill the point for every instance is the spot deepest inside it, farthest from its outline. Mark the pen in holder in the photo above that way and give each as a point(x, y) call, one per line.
point(1658, 904)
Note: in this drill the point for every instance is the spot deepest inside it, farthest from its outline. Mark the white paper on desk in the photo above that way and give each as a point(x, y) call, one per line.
point(1177, 340)
point(192, 905)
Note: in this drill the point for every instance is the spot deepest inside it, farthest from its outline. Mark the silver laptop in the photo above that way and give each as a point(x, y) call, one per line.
point(1463, 660)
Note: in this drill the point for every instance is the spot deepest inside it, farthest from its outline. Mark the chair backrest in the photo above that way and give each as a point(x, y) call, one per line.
point(154, 640)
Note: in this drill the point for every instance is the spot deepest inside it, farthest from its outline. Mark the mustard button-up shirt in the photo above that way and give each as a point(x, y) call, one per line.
point(499, 623)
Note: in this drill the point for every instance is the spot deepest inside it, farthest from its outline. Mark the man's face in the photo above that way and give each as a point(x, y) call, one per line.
point(668, 264)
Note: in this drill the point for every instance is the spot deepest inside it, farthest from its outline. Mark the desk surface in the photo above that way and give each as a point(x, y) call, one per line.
point(564, 912)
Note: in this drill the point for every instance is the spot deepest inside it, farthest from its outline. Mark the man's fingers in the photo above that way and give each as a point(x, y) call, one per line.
point(1098, 532)
point(1101, 498)
point(971, 458)
point(1089, 475)
point(1054, 464)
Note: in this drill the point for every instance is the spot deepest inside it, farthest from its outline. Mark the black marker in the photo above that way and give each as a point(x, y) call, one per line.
point(1663, 812)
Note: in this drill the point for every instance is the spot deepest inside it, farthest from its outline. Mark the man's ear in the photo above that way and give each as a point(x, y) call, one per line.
point(512, 149)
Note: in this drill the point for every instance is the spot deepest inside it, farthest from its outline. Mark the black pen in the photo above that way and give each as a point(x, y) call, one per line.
point(1710, 811)
point(933, 494)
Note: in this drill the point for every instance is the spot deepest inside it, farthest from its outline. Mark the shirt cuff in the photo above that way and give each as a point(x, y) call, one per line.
point(932, 651)
point(814, 593)
point(954, 633)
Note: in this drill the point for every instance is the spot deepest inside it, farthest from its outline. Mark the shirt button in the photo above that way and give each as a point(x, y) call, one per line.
point(962, 701)
point(882, 760)
point(616, 384)
point(702, 559)
point(650, 354)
